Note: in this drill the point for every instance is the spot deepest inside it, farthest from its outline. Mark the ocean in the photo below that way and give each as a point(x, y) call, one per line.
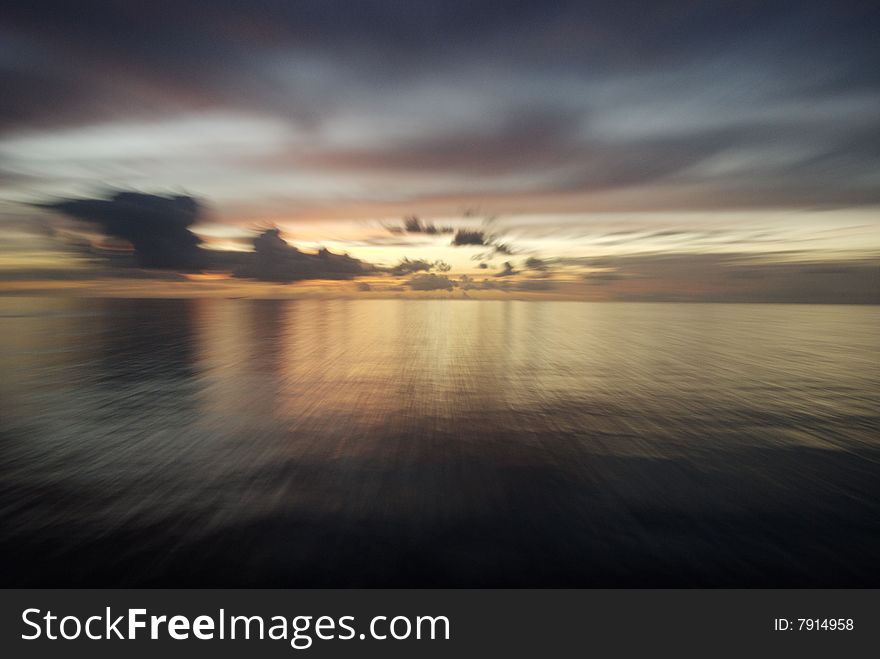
point(416, 443)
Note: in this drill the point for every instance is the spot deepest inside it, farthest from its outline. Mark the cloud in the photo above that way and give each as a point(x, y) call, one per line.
point(468, 284)
point(407, 266)
point(479, 237)
point(273, 259)
point(412, 224)
point(430, 282)
point(534, 263)
point(469, 237)
point(520, 139)
point(157, 227)
point(507, 270)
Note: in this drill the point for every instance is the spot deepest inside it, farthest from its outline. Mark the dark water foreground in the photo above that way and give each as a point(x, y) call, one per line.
point(438, 443)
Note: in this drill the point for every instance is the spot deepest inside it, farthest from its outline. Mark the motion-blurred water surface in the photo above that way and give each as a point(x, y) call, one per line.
point(445, 443)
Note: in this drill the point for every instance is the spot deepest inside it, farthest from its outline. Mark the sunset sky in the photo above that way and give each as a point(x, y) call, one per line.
point(602, 150)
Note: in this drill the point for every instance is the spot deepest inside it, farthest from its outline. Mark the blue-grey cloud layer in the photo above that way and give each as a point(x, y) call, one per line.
point(705, 104)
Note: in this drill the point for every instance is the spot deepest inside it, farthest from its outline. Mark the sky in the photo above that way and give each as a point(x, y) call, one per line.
point(612, 150)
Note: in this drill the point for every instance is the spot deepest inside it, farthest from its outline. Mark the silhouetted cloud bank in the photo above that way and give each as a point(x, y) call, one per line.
point(468, 237)
point(273, 259)
point(507, 270)
point(431, 282)
point(157, 227)
point(413, 224)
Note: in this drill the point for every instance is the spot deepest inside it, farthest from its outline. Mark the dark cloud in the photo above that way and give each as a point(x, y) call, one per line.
point(157, 227)
point(413, 224)
point(430, 282)
point(273, 259)
point(468, 284)
point(469, 237)
point(362, 286)
point(534, 263)
point(38, 99)
point(407, 266)
point(209, 48)
point(507, 270)
point(482, 238)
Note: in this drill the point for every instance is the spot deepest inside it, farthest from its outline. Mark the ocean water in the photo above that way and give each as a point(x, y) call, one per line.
point(438, 443)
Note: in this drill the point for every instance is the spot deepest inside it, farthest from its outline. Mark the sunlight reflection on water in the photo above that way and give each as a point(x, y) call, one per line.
point(391, 442)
